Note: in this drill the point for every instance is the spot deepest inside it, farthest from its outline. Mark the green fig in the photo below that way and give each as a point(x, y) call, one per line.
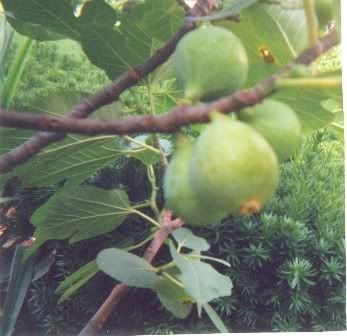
point(233, 168)
point(178, 192)
point(277, 123)
point(210, 62)
point(324, 11)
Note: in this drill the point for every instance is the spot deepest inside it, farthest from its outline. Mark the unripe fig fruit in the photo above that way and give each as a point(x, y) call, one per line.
point(210, 62)
point(233, 167)
point(324, 12)
point(277, 123)
point(178, 192)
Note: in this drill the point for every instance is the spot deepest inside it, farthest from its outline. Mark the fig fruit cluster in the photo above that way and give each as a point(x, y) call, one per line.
point(230, 169)
point(233, 166)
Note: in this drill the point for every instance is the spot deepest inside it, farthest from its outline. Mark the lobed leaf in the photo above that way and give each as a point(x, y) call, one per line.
point(201, 281)
point(80, 213)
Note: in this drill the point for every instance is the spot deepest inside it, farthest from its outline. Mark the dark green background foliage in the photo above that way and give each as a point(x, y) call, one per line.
point(288, 266)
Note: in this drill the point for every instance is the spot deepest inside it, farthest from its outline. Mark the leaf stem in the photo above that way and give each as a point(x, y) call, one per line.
point(155, 136)
point(153, 199)
point(167, 266)
point(149, 219)
point(308, 83)
point(311, 22)
point(143, 242)
point(141, 205)
point(172, 279)
point(142, 144)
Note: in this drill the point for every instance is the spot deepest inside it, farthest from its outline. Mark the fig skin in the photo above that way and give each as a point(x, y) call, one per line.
point(324, 12)
point(178, 192)
point(233, 167)
point(210, 62)
point(277, 123)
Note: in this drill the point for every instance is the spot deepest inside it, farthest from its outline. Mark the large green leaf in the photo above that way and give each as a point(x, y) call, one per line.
point(307, 103)
point(201, 281)
point(261, 35)
point(166, 14)
point(54, 15)
point(135, 40)
point(311, 104)
point(11, 138)
point(292, 22)
point(97, 13)
point(76, 159)
point(280, 33)
point(80, 213)
point(127, 268)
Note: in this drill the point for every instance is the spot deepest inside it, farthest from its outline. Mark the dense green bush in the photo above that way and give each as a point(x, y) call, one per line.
point(288, 266)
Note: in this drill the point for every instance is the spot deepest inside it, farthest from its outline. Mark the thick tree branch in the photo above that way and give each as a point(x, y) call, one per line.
point(96, 323)
point(169, 122)
point(110, 94)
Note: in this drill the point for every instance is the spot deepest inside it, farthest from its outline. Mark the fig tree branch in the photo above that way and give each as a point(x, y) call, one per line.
point(96, 323)
point(108, 95)
point(169, 122)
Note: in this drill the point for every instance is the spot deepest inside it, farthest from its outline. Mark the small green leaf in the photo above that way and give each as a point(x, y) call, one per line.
point(201, 281)
point(76, 280)
point(173, 297)
point(80, 213)
point(127, 268)
point(146, 155)
point(178, 309)
point(186, 238)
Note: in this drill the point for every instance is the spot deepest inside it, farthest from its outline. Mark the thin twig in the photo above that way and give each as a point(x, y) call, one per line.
point(169, 122)
point(96, 323)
